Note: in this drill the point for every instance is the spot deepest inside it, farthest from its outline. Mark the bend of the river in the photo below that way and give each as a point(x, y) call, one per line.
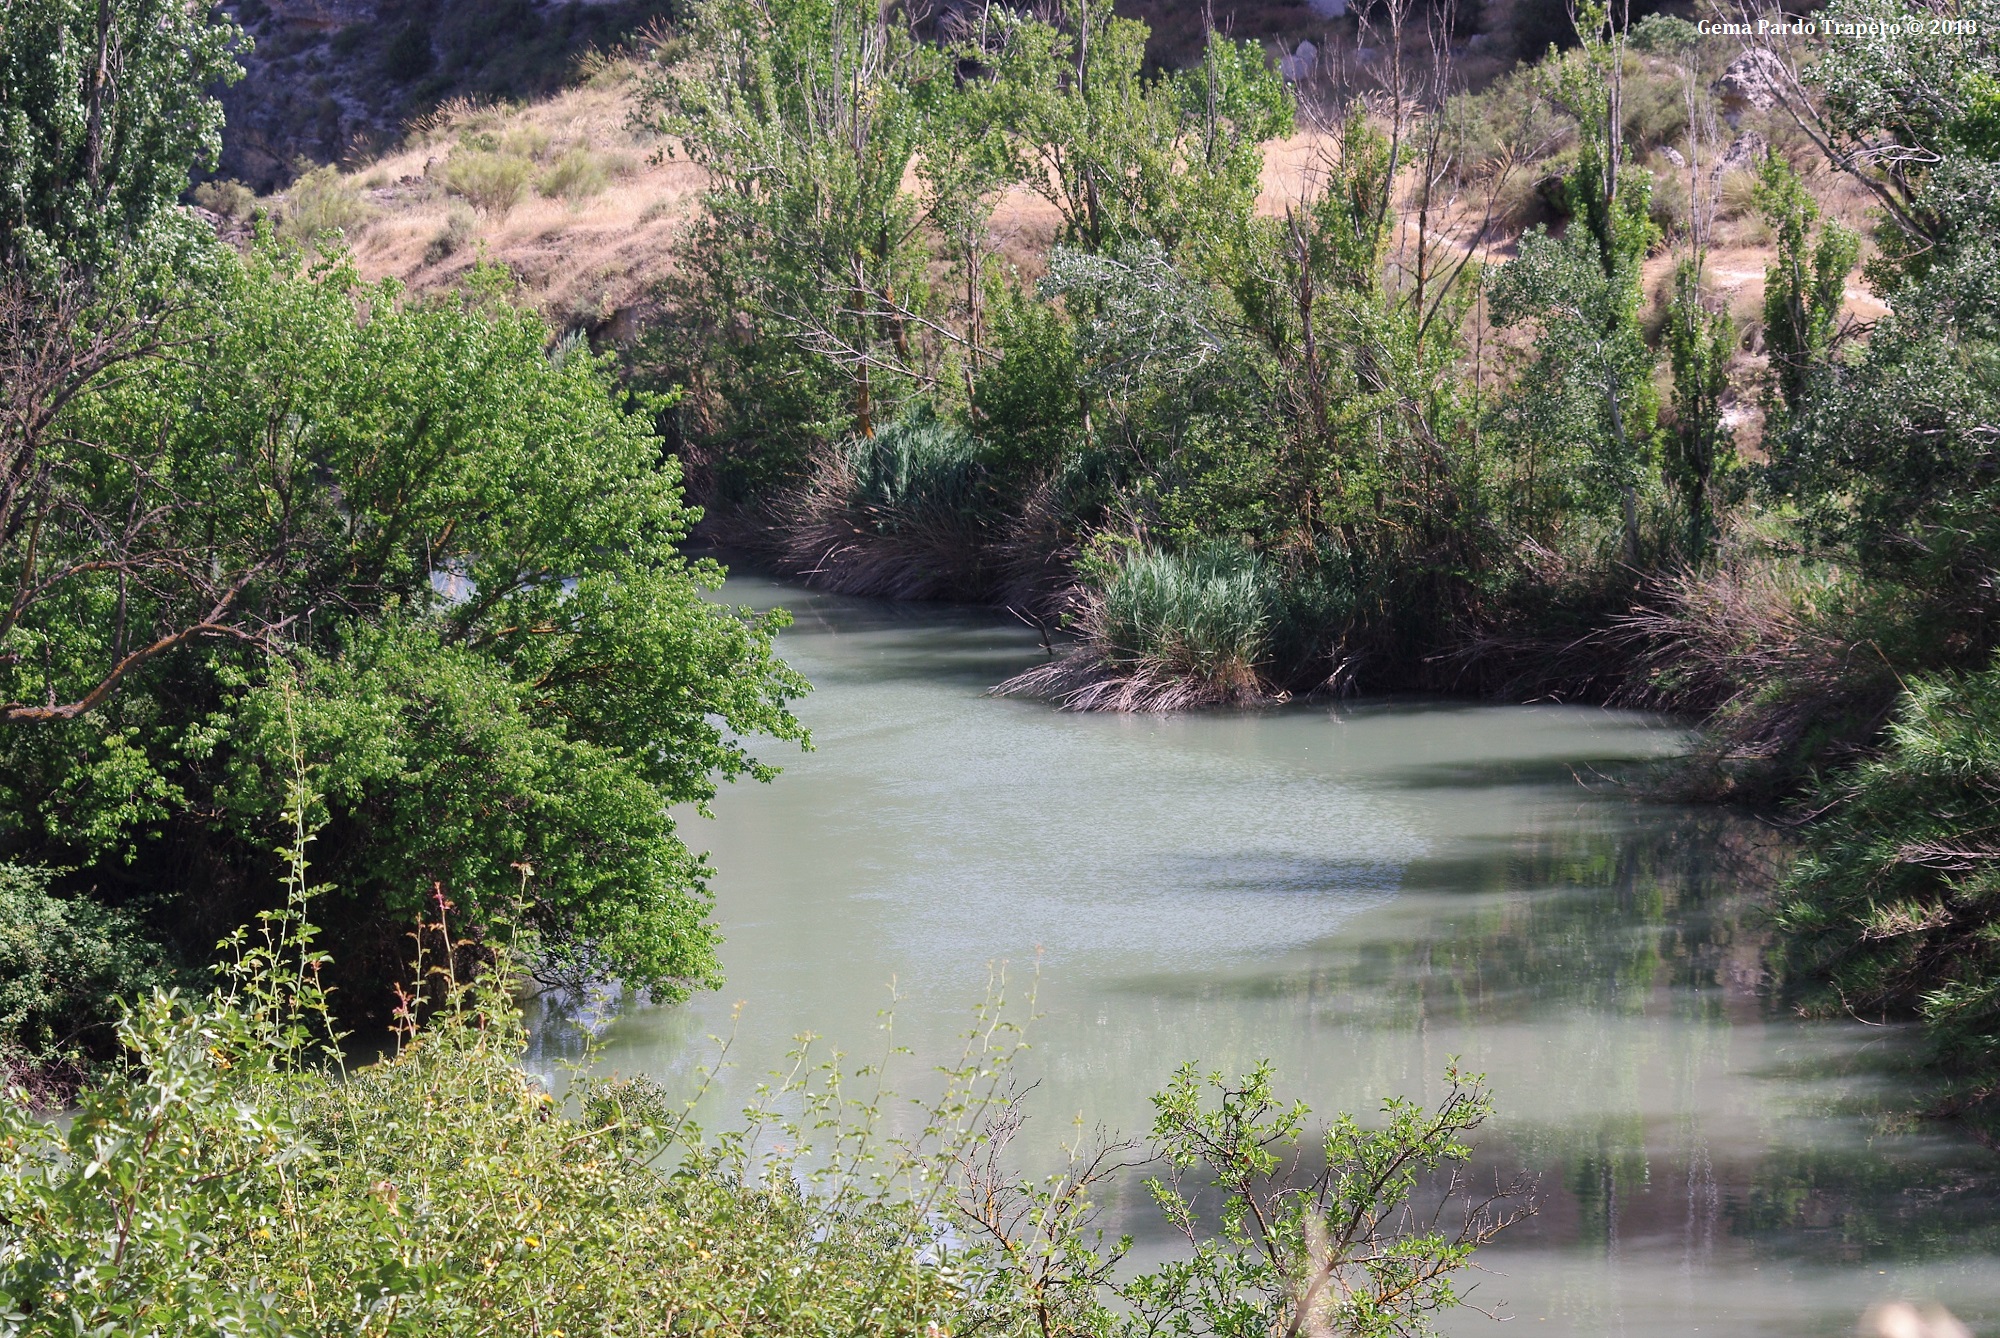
point(1357, 892)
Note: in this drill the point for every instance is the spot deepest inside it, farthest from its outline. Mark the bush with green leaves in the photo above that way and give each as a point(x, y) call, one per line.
point(230, 199)
point(322, 205)
point(576, 176)
point(445, 553)
point(490, 180)
point(64, 964)
point(919, 460)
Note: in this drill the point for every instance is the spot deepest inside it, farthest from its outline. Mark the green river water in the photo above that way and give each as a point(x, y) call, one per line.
point(1357, 892)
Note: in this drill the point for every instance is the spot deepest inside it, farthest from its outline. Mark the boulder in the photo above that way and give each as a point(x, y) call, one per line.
point(1751, 82)
point(1295, 67)
point(1742, 155)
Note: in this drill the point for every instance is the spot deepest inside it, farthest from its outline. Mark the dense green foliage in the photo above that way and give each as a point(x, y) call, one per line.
point(65, 962)
point(257, 516)
point(439, 554)
point(1888, 451)
point(1891, 907)
point(1190, 373)
point(1269, 450)
point(103, 109)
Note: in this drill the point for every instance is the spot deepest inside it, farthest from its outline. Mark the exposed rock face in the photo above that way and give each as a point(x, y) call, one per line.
point(1742, 154)
point(1751, 83)
point(1299, 64)
point(330, 79)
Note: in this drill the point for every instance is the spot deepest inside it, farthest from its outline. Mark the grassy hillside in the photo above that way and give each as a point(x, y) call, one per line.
point(336, 80)
point(584, 207)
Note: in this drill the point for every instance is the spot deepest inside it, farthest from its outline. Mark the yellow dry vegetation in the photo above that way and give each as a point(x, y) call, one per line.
point(592, 257)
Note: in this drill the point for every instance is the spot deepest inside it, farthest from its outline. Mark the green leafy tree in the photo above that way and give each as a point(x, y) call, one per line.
point(1584, 408)
point(1125, 156)
point(1894, 455)
point(1700, 341)
point(1805, 286)
point(1588, 393)
point(105, 107)
point(808, 115)
point(1891, 453)
point(441, 552)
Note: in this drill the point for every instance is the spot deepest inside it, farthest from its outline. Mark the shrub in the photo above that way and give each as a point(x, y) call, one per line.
point(577, 175)
point(63, 965)
point(235, 1179)
point(1207, 611)
point(1654, 107)
point(1029, 401)
point(1737, 196)
point(1530, 196)
point(919, 460)
point(910, 513)
point(491, 180)
point(1165, 631)
point(1669, 206)
point(457, 234)
point(231, 199)
point(527, 141)
point(321, 203)
point(1894, 906)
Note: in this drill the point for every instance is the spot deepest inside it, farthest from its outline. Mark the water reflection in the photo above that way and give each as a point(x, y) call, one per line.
point(1357, 894)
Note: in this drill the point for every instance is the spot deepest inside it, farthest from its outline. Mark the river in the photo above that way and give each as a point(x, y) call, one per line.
point(1357, 892)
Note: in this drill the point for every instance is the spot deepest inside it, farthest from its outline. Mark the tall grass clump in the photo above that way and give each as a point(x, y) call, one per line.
point(491, 180)
point(1164, 631)
point(322, 203)
point(577, 175)
point(919, 461)
point(910, 513)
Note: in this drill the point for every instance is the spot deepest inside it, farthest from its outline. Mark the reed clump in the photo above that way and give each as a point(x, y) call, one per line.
point(1166, 631)
point(912, 512)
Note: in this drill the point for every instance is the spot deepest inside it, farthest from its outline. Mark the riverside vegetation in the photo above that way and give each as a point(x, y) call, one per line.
point(1242, 447)
point(290, 552)
point(296, 559)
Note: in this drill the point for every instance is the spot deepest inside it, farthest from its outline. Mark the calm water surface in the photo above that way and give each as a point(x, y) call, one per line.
point(1357, 893)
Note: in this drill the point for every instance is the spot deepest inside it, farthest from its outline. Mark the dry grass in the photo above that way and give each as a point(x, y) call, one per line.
point(583, 257)
point(597, 231)
point(1081, 679)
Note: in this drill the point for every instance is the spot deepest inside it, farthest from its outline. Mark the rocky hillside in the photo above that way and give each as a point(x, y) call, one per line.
point(337, 80)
